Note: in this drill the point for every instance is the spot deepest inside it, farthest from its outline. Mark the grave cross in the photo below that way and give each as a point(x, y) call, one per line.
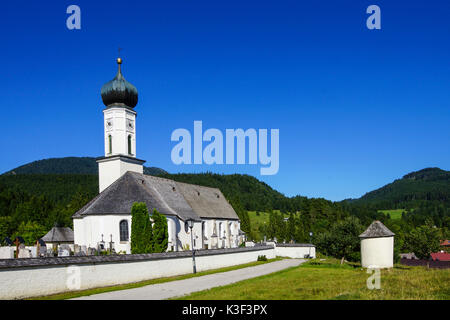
point(17, 243)
point(110, 245)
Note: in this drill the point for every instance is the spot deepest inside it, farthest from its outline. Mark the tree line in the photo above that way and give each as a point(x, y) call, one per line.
point(30, 205)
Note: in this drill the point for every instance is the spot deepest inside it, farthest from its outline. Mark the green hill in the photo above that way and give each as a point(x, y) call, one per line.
point(36, 195)
point(427, 185)
point(69, 165)
point(430, 184)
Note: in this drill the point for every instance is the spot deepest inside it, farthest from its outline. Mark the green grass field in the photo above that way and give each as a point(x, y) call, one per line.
point(318, 280)
point(257, 219)
point(394, 213)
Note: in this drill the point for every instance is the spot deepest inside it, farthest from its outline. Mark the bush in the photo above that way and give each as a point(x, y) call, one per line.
point(141, 232)
point(342, 240)
point(423, 240)
point(160, 232)
point(262, 258)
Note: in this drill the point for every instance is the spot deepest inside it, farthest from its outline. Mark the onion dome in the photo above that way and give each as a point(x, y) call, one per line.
point(119, 92)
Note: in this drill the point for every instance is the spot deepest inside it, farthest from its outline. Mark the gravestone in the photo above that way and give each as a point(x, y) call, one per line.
point(23, 252)
point(63, 253)
point(42, 251)
point(65, 247)
point(249, 244)
point(78, 250)
point(33, 251)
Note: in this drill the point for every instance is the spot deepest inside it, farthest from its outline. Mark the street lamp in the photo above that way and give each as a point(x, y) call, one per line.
point(310, 242)
point(191, 225)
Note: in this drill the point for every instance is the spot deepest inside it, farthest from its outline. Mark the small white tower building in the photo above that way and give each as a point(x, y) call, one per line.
point(119, 97)
point(377, 246)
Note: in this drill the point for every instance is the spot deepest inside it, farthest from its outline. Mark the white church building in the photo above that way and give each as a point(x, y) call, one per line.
point(107, 217)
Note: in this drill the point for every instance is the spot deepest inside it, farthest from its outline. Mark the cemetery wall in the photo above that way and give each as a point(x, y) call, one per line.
point(295, 250)
point(7, 252)
point(24, 278)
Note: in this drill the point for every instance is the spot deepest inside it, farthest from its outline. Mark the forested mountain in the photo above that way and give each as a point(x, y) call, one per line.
point(35, 196)
point(430, 184)
point(69, 165)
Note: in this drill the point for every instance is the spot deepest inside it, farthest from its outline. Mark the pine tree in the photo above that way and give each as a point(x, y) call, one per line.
point(271, 228)
point(291, 228)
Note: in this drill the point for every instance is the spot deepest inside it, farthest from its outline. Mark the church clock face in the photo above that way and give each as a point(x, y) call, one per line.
point(109, 124)
point(130, 125)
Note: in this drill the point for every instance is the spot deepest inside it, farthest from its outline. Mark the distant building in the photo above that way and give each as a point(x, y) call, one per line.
point(377, 246)
point(440, 256)
point(57, 236)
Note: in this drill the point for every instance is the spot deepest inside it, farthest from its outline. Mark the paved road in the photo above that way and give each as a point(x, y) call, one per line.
point(183, 287)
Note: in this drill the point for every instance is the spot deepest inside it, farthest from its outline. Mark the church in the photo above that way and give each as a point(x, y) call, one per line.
point(106, 220)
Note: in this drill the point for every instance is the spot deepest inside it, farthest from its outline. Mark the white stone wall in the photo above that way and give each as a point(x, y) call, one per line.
point(88, 231)
point(377, 252)
point(109, 170)
point(184, 236)
point(19, 283)
point(227, 232)
point(7, 252)
point(295, 252)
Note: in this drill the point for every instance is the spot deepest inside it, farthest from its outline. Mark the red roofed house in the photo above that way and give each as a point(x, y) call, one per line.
point(440, 256)
point(445, 243)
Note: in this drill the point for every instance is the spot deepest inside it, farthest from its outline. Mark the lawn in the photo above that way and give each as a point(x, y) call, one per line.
point(330, 280)
point(257, 219)
point(394, 213)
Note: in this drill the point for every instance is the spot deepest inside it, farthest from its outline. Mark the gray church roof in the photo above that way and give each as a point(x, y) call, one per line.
point(167, 196)
point(207, 202)
point(377, 230)
point(58, 234)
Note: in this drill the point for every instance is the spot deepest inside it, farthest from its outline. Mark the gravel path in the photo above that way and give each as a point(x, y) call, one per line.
point(180, 288)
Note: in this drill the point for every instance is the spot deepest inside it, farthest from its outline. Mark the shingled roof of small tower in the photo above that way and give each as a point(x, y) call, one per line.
point(167, 196)
point(377, 230)
point(58, 234)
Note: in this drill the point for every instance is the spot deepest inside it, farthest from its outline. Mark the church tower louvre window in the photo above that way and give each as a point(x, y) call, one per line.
point(129, 145)
point(110, 144)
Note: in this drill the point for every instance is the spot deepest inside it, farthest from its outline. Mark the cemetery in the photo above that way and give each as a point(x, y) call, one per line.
point(87, 268)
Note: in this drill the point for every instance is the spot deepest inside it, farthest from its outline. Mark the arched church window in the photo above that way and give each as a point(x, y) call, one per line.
point(129, 145)
point(110, 143)
point(123, 230)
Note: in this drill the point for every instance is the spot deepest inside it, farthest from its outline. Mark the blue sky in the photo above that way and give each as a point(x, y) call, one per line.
point(356, 108)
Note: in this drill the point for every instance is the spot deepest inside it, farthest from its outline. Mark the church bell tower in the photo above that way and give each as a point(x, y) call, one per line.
point(120, 97)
